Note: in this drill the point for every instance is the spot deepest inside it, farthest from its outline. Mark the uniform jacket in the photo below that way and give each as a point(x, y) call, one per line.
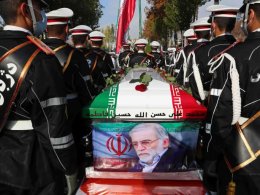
point(142, 58)
point(101, 67)
point(220, 111)
point(159, 59)
point(181, 60)
point(77, 74)
point(124, 57)
point(30, 157)
point(203, 55)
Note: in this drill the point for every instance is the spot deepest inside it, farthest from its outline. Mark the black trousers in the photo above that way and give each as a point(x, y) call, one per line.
point(50, 189)
point(56, 187)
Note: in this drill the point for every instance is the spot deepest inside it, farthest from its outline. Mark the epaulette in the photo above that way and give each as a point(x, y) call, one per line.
point(41, 45)
point(226, 49)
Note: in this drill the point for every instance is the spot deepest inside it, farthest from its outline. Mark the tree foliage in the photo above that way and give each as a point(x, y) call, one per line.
point(154, 27)
point(180, 13)
point(109, 41)
point(87, 12)
point(167, 16)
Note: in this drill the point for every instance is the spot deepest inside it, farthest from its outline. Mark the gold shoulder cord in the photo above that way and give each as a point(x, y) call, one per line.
point(68, 61)
point(59, 48)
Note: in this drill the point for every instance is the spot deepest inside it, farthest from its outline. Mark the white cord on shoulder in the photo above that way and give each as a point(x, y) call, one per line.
point(235, 88)
point(181, 53)
point(184, 65)
point(196, 73)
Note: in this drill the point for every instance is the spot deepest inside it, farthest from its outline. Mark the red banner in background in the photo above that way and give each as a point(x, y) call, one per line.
point(127, 9)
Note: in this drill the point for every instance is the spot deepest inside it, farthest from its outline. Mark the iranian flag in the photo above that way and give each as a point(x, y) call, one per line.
point(126, 13)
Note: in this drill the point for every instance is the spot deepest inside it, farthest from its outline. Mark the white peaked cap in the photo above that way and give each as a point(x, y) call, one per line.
point(188, 33)
point(127, 43)
point(96, 36)
point(59, 16)
point(201, 24)
point(80, 30)
point(155, 44)
point(171, 49)
point(223, 11)
point(141, 42)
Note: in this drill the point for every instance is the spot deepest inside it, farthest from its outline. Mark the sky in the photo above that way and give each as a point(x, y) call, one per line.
point(110, 12)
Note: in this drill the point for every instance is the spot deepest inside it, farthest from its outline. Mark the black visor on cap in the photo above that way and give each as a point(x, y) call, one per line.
point(210, 19)
point(242, 9)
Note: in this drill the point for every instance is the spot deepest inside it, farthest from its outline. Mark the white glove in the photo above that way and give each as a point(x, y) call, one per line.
point(71, 181)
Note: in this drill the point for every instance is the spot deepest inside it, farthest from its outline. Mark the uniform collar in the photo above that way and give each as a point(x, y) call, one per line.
point(224, 38)
point(17, 28)
point(202, 40)
point(257, 30)
point(253, 35)
point(223, 34)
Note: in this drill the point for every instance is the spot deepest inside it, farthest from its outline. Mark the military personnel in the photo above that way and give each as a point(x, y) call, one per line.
point(123, 57)
point(75, 71)
point(114, 59)
point(234, 96)
point(140, 57)
point(222, 21)
point(169, 58)
point(192, 75)
point(100, 62)
point(79, 35)
point(159, 59)
point(36, 145)
point(181, 57)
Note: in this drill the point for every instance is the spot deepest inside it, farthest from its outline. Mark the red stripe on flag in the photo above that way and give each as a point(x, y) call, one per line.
point(126, 14)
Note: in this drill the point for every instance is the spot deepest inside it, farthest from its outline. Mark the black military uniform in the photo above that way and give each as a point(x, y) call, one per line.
point(159, 59)
point(79, 38)
point(202, 30)
point(140, 57)
point(181, 57)
point(124, 57)
point(204, 55)
point(169, 58)
point(36, 144)
point(229, 95)
point(220, 105)
point(76, 76)
point(100, 62)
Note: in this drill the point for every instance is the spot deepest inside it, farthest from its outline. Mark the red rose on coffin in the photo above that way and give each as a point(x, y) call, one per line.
point(141, 87)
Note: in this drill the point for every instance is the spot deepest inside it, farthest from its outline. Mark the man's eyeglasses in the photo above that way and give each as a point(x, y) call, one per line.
point(144, 143)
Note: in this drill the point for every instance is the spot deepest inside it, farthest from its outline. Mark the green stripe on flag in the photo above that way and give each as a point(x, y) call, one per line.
point(104, 105)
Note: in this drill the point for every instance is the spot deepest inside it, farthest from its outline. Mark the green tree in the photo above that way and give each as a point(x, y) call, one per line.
point(109, 41)
point(180, 13)
point(87, 12)
point(154, 27)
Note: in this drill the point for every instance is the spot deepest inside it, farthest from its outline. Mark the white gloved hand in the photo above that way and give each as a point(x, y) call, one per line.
point(71, 181)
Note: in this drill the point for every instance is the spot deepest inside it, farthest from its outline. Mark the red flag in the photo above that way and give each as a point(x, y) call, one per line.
point(127, 10)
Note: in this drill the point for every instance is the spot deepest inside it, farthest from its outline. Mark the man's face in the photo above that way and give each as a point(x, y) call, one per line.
point(147, 145)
